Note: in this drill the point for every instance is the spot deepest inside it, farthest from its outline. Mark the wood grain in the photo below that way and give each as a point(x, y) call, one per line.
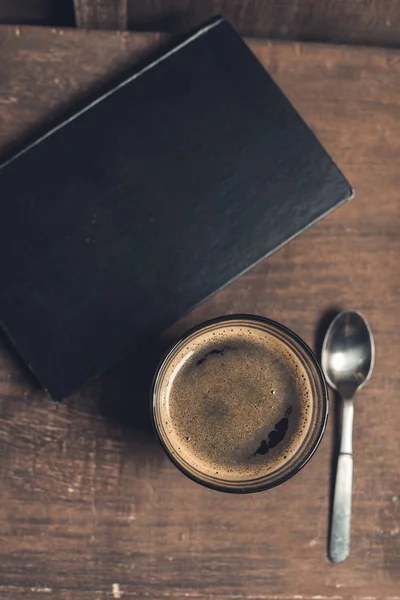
point(345, 21)
point(89, 506)
point(101, 14)
point(39, 12)
point(339, 21)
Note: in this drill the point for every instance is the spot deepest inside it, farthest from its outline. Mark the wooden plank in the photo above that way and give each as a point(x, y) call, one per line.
point(40, 12)
point(336, 21)
point(345, 21)
point(101, 14)
point(89, 506)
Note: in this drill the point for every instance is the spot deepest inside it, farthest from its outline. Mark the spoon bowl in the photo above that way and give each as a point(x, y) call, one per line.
point(348, 353)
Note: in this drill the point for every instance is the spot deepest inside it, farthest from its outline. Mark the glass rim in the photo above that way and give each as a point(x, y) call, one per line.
point(320, 430)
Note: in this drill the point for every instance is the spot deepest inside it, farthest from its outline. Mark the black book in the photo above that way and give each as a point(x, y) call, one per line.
point(130, 213)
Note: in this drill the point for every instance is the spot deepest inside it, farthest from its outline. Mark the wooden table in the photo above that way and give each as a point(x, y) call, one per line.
point(375, 22)
point(89, 506)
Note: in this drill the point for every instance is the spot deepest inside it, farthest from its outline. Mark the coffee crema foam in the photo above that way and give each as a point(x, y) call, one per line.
point(236, 401)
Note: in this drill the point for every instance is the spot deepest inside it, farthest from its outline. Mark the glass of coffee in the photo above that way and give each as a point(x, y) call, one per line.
point(239, 403)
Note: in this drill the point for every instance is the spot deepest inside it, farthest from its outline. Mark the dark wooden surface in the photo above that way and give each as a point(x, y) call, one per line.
point(339, 21)
point(37, 12)
point(89, 506)
point(101, 14)
point(344, 21)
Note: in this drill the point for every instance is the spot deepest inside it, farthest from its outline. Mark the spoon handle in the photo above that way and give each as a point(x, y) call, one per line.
point(339, 546)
